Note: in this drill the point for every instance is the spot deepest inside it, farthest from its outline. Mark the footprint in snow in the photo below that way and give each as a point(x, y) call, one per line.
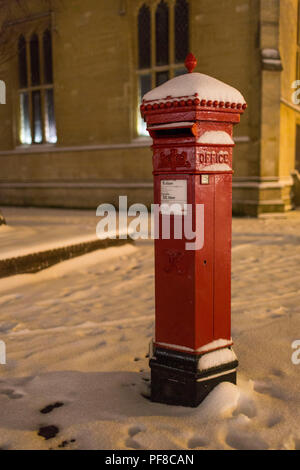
point(297, 444)
point(268, 388)
point(6, 327)
point(10, 393)
point(273, 420)
point(243, 440)
point(132, 443)
point(277, 373)
point(134, 430)
point(195, 442)
point(246, 407)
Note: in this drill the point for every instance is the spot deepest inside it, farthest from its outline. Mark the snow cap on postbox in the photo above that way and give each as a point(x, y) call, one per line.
point(193, 89)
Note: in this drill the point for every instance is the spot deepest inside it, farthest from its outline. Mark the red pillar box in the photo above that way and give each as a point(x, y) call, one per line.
point(190, 119)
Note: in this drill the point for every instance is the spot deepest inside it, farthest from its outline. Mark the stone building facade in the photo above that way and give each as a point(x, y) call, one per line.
point(70, 133)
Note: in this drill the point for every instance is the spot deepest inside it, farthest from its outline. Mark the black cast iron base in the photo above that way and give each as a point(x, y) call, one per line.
point(176, 380)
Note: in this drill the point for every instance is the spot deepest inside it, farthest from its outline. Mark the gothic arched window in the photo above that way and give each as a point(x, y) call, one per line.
point(160, 54)
point(37, 121)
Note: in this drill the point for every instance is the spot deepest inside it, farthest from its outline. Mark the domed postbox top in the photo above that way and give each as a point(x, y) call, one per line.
point(194, 89)
point(195, 84)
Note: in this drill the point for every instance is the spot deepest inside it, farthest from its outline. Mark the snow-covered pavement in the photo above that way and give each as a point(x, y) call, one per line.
point(33, 229)
point(77, 334)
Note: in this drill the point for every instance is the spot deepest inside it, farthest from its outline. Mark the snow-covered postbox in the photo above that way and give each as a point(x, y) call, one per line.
point(190, 119)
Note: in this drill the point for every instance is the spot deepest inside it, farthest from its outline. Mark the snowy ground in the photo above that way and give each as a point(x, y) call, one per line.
point(36, 229)
point(77, 333)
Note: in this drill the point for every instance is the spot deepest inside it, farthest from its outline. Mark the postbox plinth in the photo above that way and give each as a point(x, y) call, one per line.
point(191, 119)
point(176, 379)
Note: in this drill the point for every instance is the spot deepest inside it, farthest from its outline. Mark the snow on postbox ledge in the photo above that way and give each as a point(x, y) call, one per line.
point(199, 110)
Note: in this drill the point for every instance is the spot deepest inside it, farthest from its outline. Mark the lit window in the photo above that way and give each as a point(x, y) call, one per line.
point(144, 87)
point(25, 131)
point(36, 98)
point(161, 55)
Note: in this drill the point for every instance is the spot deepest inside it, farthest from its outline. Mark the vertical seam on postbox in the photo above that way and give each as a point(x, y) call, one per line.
point(214, 251)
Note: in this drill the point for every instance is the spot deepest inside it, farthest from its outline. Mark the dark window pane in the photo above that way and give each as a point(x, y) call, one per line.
point(34, 60)
point(145, 84)
point(25, 131)
point(22, 62)
point(50, 118)
point(162, 33)
point(47, 46)
point(162, 77)
point(144, 37)
point(178, 72)
point(37, 117)
point(181, 30)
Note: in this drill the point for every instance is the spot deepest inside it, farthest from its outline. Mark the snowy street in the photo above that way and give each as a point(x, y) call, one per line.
point(34, 229)
point(77, 334)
